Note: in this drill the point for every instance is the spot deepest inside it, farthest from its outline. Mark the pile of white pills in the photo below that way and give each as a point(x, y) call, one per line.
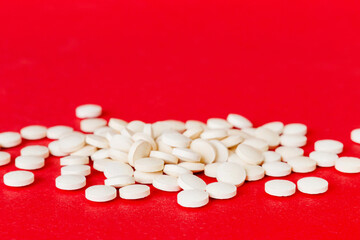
point(169, 154)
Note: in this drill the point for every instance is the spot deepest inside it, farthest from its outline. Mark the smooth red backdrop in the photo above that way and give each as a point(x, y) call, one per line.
point(294, 61)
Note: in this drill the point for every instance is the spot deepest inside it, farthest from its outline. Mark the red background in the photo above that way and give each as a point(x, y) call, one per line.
point(294, 61)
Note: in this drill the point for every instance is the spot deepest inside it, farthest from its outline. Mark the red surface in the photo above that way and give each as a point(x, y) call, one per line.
point(295, 61)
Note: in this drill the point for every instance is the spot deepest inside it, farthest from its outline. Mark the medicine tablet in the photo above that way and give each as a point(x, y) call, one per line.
point(293, 140)
point(99, 164)
point(146, 177)
point(276, 169)
point(74, 160)
point(100, 154)
point(142, 136)
point(83, 170)
point(355, 135)
point(114, 168)
point(88, 111)
point(302, 164)
point(57, 132)
point(232, 173)
point(5, 158)
point(324, 159)
point(91, 124)
point(271, 156)
point(328, 145)
point(70, 182)
point(295, 129)
point(118, 155)
point(166, 183)
point(175, 139)
point(249, 154)
point(127, 132)
point(149, 164)
point(218, 123)
point(239, 121)
point(312, 185)
point(211, 134)
point(148, 130)
point(222, 153)
point(139, 149)
point(280, 188)
point(85, 151)
point(348, 164)
point(162, 147)
point(72, 142)
point(256, 143)
point(193, 132)
point(10, 139)
point(18, 178)
point(205, 149)
point(33, 132)
point(117, 124)
point(274, 126)
point(234, 158)
point(120, 181)
point(232, 141)
point(190, 181)
point(195, 123)
point(289, 152)
point(29, 162)
point(168, 158)
point(100, 193)
point(35, 150)
point(97, 141)
point(175, 170)
point(270, 137)
point(54, 148)
point(136, 191)
point(136, 126)
point(211, 169)
point(105, 132)
point(186, 154)
point(192, 166)
point(220, 190)
point(193, 198)
point(254, 173)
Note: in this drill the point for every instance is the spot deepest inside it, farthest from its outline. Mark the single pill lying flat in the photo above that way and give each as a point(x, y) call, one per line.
point(18, 178)
point(254, 173)
point(175, 170)
point(33, 132)
point(218, 123)
point(91, 124)
point(289, 152)
point(70, 182)
point(29, 162)
point(97, 141)
point(83, 170)
point(239, 121)
point(274, 126)
point(329, 145)
point(146, 177)
point(276, 169)
point(355, 135)
point(211, 169)
point(271, 156)
point(249, 154)
point(232, 173)
point(302, 164)
point(71, 142)
point(193, 198)
point(5, 158)
point(220, 190)
point(289, 140)
point(35, 150)
point(295, 129)
point(100, 193)
point(120, 181)
point(324, 159)
point(57, 132)
point(348, 165)
point(88, 111)
point(166, 183)
point(280, 188)
point(190, 181)
point(136, 191)
point(312, 185)
point(149, 164)
point(192, 166)
point(115, 168)
point(175, 139)
point(10, 139)
point(211, 134)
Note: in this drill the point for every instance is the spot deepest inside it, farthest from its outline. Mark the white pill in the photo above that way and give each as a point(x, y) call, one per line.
point(222, 152)
point(324, 159)
point(100, 193)
point(97, 141)
point(74, 160)
point(166, 183)
point(280, 188)
point(18, 178)
point(274, 126)
point(105, 131)
point(257, 143)
point(234, 158)
point(195, 123)
point(54, 148)
point(91, 124)
point(88, 111)
point(211, 169)
point(249, 154)
point(136, 191)
point(190, 181)
point(328, 145)
point(72, 142)
point(70, 182)
point(254, 173)
point(193, 198)
point(57, 132)
point(139, 149)
point(117, 124)
point(136, 126)
point(120, 181)
point(193, 132)
point(118, 155)
point(249, 131)
point(218, 123)
point(5, 158)
point(149, 164)
point(115, 168)
point(162, 147)
point(100, 154)
point(87, 151)
point(175, 139)
point(192, 166)
point(293, 140)
point(238, 132)
point(175, 170)
point(289, 152)
point(10, 139)
point(83, 170)
point(29, 162)
point(355, 135)
point(312, 185)
point(168, 158)
point(302, 164)
point(348, 164)
point(295, 129)
point(271, 156)
point(232, 141)
point(186, 154)
point(205, 149)
point(211, 134)
point(221, 190)
point(33, 132)
point(142, 136)
point(270, 137)
point(232, 173)
point(146, 177)
point(239, 121)
point(99, 164)
point(276, 169)
point(148, 130)
point(35, 150)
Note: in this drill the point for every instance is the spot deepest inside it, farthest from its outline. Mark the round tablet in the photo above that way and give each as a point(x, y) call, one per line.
point(324, 159)
point(162, 147)
point(118, 155)
point(355, 135)
point(190, 181)
point(166, 183)
point(348, 164)
point(276, 169)
point(149, 164)
point(29, 162)
point(194, 123)
point(211, 169)
point(121, 142)
point(302, 164)
point(295, 129)
point(54, 148)
point(83, 170)
point(271, 156)
point(148, 130)
point(136, 191)
point(193, 198)
point(270, 137)
point(280, 188)
point(249, 154)
point(100, 154)
point(117, 124)
point(99, 164)
point(175, 170)
point(274, 126)
point(105, 131)
point(232, 141)
point(328, 145)
point(192, 166)
point(168, 158)
point(239, 121)
point(85, 151)
point(57, 132)
point(88, 111)
point(97, 141)
point(120, 181)
point(312, 185)
point(136, 126)
point(257, 143)
point(91, 124)
point(293, 140)
point(5, 158)
point(33, 132)
point(127, 132)
point(35, 150)
point(218, 123)
point(100, 193)
point(186, 154)
point(10, 139)
point(220, 190)
point(146, 177)
point(70, 182)
point(74, 160)
point(232, 173)
point(175, 139)
point(205, 149)
point(139, 149)
point(214, 134)
point(289, 152)
point(254, 173)
point(193, 132)
point(234, 158)
point(222, 152)
point(115, 168)
point(72, 142)
point(18, 178)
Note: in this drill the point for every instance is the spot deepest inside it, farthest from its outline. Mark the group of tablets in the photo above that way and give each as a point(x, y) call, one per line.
point(168, 155)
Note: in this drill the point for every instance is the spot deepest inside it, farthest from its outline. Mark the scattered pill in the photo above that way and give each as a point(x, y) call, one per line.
point(324, 159)
point(97, 141)
point(211, 169)
point(33, 132)
point(54, 148)
point(190, 181)
point(348, 164)
point(91, 124)
point(136, 126)
point(328, 145)
point(186, 154)
point(18, 178)
point(115, 168)
point(175, 170)
point(239, 121)
point(139, 149)
point(355, 135)
point(293, 140)
point(100, 164)
point(254, 173)
point(205, 149)
point(232, 141)
point(175, 139)
point(83, 170)
point(100, 154)
point(302, 164)
point(74, 160)
point(270, 137)
point(88, 111)
point(120, 181)
point(86, 151)
point(5, 158)
point(168, 158)
point(193, 132)
point(256, 143)
point(221, 190)
point(192, 166)
point(271, 156)
point(166, 183)
point(136, 191)
point(289, 152)
point(211, 134)
point(218, 123)
point(121, 142)
point(312, 185)
point(232, 173)
point(274, 126)
point(57, 132)
point(35, 150)
point(221, 151)
point(117, 124)
point(118, 155)
point(29, 162)
point(100, 193)
point(276, 169)
point(146, 177)
point(193, 198)
point(249, 154)
point(295, 129)
point(10, 139)
point(149, 164)
point(70, 182)
point(280, 188)
point(71, 142)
